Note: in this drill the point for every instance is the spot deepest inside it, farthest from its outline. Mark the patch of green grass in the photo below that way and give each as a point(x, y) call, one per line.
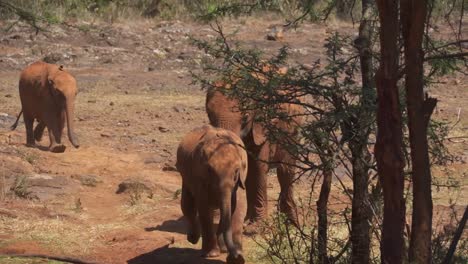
point(20, 187)
point(31, 158)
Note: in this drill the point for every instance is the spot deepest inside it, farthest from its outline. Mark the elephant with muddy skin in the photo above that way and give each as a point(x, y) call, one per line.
point(213, 165)
point(47, 95)
point(224, 112)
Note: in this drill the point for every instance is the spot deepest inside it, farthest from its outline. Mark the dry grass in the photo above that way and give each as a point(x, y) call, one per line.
point(57, 234)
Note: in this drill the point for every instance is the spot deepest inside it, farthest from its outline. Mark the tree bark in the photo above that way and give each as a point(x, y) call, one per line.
point(413, 17)
point(388, 148)
point(322, 205)
point(360, 220)
point(456, 238)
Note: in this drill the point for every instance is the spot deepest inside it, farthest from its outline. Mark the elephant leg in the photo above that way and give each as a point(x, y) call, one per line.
point(28, 123)
point(39, 131)
point(55, 129)
point(286, 199)
point(238, 219)
point(221, 243)
point(210, 246)
point(239, 209)
point(190, 212)
point(256, 186)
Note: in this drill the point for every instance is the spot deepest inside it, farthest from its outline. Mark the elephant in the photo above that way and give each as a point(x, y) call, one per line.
point(47, 93)
point(213, 165)
point(224, 112)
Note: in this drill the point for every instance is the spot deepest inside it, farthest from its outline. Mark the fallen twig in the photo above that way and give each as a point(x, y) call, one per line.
point(49, 257)
point(451, 139)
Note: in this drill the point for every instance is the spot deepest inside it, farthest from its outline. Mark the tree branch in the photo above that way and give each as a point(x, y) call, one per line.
point(447, 56)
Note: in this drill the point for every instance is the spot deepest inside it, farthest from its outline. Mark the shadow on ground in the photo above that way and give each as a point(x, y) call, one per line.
point(173, 226)
point(168, 255)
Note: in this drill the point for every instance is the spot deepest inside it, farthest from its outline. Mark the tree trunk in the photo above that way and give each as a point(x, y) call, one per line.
point(388, 148)
point(322, 205)
point(360, 220)
point(413, 17)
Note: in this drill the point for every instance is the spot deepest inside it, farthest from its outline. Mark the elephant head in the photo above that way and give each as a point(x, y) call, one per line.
point(224, 112)
point(63, 89)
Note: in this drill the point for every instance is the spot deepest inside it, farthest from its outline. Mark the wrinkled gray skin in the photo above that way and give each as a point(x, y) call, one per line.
point(213, 165)
point(223, 112)
point(48, 94)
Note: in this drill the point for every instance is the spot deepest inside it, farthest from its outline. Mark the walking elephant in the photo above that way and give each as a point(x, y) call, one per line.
point(213, 165)
point(48, 94)
point(224, 112)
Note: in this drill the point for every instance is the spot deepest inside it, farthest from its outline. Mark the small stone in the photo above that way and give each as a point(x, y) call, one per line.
point(275, 34)
point(111, 103)
point(169, 167)
point(163, 129)
point(106, 135)
point(8, 95)
point(178, 109)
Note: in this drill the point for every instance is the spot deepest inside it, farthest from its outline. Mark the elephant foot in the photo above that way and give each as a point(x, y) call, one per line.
point(193, 237)
point(31, 145)
point(251, 227)
point(222, 245)
point(215, 252)
point(235, 260)
point(59, 148)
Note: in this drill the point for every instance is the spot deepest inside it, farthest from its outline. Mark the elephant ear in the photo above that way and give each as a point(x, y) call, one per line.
point(258, 133)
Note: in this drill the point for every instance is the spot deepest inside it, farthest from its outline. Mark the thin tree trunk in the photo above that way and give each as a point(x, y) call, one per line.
point(388, 148)
point(413, 17)
point(322, 205)
point(360, 227)
point(456, 238)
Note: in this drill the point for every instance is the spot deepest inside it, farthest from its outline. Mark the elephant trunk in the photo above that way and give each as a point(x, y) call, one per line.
point(70, 106)
point(228, 199)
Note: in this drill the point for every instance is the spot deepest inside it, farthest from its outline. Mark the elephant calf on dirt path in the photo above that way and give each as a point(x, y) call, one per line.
point(48, 94)
point(213, 165)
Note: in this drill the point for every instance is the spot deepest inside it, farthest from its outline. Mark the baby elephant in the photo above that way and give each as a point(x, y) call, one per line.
point(213, 164)
point(48, 94)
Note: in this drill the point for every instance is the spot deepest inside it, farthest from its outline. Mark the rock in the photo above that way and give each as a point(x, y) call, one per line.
point(87, 180)
point(106, 135)
point(135, 187)
point(178, 109)
point(154, 159)
point(160, 53)
point(163, 129)
point(8, 95)
point(168, 167)
point(52, 58)
point(111, 103)
point(6, 121)
point(42, 186)
point(275, 33)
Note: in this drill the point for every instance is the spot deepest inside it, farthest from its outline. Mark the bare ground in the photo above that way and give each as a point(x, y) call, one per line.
point(135, 103)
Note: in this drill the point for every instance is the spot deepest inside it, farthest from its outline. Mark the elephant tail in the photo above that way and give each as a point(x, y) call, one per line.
point(228, 205)
point(13, 127)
